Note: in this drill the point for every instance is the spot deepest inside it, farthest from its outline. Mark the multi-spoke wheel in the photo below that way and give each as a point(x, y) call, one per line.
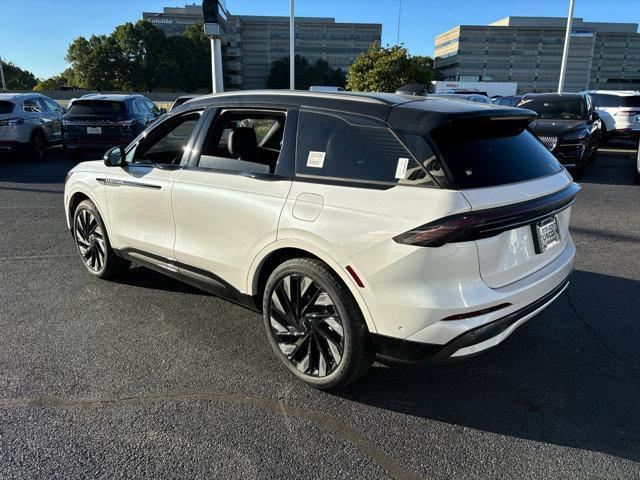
point(37, 146)
point(90, 240)
point(93, 243)
point(315, 325)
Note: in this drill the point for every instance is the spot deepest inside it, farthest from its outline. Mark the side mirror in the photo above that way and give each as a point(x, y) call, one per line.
point(115, 157)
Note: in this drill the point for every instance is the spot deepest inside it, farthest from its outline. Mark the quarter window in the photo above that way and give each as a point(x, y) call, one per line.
point(353, 148)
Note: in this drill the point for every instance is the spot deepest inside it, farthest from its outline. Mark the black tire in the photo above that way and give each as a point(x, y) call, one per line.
point(578, 171)
point(321, 337)
point(93, 244)
point(37, 147)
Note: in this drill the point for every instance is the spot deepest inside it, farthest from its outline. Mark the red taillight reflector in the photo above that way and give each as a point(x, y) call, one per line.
point(355, 276)
point(477, 313)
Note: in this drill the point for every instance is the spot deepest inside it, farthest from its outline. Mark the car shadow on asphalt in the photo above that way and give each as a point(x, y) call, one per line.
point(569, 377)
point(611, 168)
point(142, 277)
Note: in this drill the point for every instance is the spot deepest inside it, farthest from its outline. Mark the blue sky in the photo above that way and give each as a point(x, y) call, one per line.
point(35, 33)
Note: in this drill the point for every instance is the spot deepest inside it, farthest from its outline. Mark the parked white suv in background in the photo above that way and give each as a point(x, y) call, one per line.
point(619, 112)
point(29, 123)
point(358, 224)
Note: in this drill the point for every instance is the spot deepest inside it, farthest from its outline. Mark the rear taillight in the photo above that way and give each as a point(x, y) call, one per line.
point(445, 230)
point(12, 122)
point(487, 223)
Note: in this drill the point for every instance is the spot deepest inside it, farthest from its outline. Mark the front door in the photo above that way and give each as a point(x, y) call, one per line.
point(227, 202)
point(139, 194)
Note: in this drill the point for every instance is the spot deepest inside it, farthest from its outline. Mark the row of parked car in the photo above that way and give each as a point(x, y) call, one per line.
point(571, 125)
point(31, 122)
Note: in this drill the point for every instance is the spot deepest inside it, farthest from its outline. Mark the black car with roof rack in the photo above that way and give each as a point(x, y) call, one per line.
point(97, 121)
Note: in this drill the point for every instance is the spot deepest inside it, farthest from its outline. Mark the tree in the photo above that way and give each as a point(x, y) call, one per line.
point(318, 73)
point(16, 78)
point(64, 79)
point(97, 63)
point(385, 69)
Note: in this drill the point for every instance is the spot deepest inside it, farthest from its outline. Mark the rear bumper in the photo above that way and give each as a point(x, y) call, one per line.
point(468, 344)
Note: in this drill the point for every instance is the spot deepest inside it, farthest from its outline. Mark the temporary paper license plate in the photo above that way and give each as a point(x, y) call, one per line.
point(547, 234)
point(94, 131)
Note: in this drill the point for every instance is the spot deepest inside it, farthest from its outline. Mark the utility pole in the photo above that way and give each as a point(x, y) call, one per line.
point(567, 41)
point(4, 83)
point(399, 17)
point(292, 49)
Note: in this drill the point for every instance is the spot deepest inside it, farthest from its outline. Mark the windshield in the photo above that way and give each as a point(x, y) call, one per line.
point(556, 108)
point(6, 107)
point(101, 108)
point(633, 102)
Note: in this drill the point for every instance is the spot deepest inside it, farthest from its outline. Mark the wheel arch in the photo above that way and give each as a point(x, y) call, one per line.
point(279, 252)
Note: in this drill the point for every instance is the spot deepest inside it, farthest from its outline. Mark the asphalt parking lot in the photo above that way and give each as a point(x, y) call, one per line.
point(151, 378)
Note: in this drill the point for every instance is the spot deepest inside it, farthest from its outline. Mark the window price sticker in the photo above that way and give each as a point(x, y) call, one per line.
point(401, 169)
point(315, 159)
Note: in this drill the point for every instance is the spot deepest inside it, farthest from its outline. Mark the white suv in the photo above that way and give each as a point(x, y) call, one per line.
point(619, 112)
point(358, 224)
point(29, 123)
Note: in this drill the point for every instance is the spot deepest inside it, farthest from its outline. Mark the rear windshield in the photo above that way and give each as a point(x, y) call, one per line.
point(632, 102)
point(6, 107)
point(557, 108)
point(494, 153)
point(102, 108)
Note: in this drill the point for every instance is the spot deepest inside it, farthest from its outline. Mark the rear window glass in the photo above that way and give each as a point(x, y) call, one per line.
point(353, 148)
point(97, 108)
point(631, 102)
point(6, 107)
point(496, 153)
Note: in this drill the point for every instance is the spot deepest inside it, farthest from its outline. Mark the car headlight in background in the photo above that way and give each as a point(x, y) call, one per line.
point(578, 135)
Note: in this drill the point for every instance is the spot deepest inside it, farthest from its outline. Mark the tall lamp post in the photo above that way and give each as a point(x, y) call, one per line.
point(565, 53)
point(292, 49)
point(4, 83)
point(214, 13)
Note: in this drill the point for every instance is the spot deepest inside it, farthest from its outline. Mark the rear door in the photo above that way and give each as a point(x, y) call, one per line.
point(227, 202)
point(55, 115)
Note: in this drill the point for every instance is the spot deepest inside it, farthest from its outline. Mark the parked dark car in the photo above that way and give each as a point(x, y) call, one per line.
point(507, 101)
point(96, 122)
point(181, 101)
point(472, 97)
point(568, 125)
point(414, 90)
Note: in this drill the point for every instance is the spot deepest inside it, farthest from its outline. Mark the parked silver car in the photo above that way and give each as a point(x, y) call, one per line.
point(29, 123)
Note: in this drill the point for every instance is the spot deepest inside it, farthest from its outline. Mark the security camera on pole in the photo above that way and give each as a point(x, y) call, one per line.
point(214, 12)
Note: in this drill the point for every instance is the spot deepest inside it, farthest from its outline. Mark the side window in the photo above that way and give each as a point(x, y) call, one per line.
point(151, 106)
point(53, 106)
point(134, 107)
point(597, 100)
point(244, 141)
point(167, 143)
point(142, 108)
point(34, 105)
point(353, 148)
point(610, 101)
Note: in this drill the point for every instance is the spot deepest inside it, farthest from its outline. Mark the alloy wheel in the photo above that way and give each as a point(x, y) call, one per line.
point(90, 240)
point(306, 325)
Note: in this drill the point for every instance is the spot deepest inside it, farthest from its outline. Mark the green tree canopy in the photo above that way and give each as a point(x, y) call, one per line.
point(307, 74)
point(16, 78)
point(139, 57)
point(65, 79)
point(385, 69)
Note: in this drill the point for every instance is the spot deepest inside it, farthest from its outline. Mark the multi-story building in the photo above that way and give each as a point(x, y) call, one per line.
point(252, 43)
point(528, 50)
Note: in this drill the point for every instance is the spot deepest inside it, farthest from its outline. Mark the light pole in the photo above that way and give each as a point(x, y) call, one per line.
point(292, 49)
point(399, 17)
point(4, 83)
point(214, 13)
point(565, 53)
